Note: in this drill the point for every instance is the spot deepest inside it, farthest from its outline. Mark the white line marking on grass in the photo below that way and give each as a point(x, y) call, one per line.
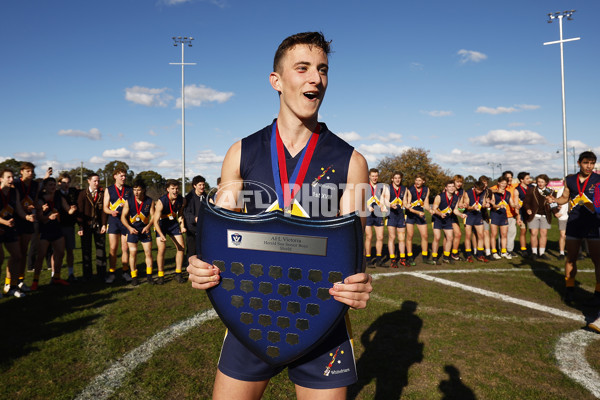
point(503, 297)
point(463, 271)
point(105, 384)
point(570, 354)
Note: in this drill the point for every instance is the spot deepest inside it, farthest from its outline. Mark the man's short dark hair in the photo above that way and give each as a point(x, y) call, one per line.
point(478, 185)
point(522, 175)
point(483, 179)
point(373, 171)
point(26, 165)
point(93, 174)
point(398, 173)
point(139, 183)
point(309, 38)
point(171, 182)
point(197, 179)
point(507, 173)
point(544, 177)
point(587, 155)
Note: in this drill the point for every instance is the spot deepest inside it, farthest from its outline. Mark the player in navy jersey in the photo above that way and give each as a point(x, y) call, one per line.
point(51, 204)
point(300, 77)
point(169, 222)
point(501, 200)
point(459, 181)
point(416, 202)
point(114, 197)
point(583, 222)
point(137, 218)
point(377, 210)
point(521, 190)
point(473, 202)
point(28, 190)
point(444, 207)
point(393, 198)
point(10, 209)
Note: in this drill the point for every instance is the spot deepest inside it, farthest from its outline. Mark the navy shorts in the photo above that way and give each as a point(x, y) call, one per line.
point(583, 228)
point(24, 227)
point(50, 233)
point(396, 220)
point(69, 235)
point(499, 219)
point(8, 235)
point(442, 223)
point(373, 220)
point(412, 218)
point(309, 371)
point(474, 219)
point(139, 237)
point(169, 227)
point(115, 226)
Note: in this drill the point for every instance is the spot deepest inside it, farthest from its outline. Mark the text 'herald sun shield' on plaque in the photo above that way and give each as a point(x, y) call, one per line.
point(276, 272)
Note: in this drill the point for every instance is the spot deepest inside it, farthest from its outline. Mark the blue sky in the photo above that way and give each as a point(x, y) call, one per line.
point(468, 80)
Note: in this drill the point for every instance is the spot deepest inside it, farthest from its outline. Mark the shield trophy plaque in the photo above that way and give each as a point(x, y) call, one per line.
point(276, 272)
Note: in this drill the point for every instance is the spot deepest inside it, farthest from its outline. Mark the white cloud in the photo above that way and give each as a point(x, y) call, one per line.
point(196, 95)
point(470, 56)
point(117, 153)
point(390, 137)
point(209, 157)
point(170, 164)
point(97, 160)
point(30, 155)
point(93, 134)
point(495, 111)
point(148, 96)
point(506, 110)
point(438, 113)
point(141, 146)
point(509, 137)
point(349, 136)
point(528, 106)
point(415, 66)
point(145, 156)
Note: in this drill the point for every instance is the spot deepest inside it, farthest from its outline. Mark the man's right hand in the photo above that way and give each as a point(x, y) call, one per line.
point(202, 275)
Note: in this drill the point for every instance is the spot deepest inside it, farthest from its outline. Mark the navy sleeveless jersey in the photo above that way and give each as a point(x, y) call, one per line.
point(579, 201)
point(168, 206)
point(318, 197)
point(9, 204)
point(27, 193)
point(417, 199)
point(397, 198)
point(117, 199)
point(474, 198)
point(140, 221)
point(498, 197)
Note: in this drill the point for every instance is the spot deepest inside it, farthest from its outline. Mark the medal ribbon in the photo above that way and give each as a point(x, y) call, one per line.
point(120, 194)
point(170, 207)
point(476, 197)
point(448, 201)
point(278, 165)
point(139, 211)
point(397, 191)
point(579, 188)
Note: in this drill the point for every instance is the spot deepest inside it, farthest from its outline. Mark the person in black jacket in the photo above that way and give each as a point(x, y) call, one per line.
point(190, 213)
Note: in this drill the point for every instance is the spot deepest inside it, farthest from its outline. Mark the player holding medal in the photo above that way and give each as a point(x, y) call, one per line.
point(300, 78)
point(137, 218)
point(583, 222)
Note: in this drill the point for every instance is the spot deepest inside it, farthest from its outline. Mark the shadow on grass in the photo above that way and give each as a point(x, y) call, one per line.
point(41, 316)
point(453, 388)
point(554, 277)
point(391, 346)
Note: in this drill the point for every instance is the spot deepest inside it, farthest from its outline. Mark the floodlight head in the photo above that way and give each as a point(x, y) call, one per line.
point(173, 38)
point(191, 38)
point(178, 37)
point(569, 19)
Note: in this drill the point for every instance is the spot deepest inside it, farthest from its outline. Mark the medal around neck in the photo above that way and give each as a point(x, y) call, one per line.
point(276, 272)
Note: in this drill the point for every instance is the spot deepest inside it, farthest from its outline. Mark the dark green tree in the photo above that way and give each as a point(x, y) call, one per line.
point(411, 162)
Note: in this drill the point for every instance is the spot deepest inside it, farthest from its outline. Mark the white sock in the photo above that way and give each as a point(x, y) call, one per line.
point(488, 252)
point(534, 250)
point(542, 250)
point(562, 252)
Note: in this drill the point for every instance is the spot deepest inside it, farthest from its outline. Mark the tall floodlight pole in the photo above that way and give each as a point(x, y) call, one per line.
point(182, 41)
point(551, 17)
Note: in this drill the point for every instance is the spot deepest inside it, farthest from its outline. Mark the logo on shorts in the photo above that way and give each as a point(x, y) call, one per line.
point(236, 239)
point(332, 362)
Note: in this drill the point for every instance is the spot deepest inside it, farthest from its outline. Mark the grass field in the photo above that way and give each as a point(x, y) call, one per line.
point(429, 332)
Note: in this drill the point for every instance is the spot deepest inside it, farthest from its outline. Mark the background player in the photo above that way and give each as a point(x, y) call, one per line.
point(169, 221)
point(375, 218)
point(417, 201)
point(396, 224)
point(137, 216)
